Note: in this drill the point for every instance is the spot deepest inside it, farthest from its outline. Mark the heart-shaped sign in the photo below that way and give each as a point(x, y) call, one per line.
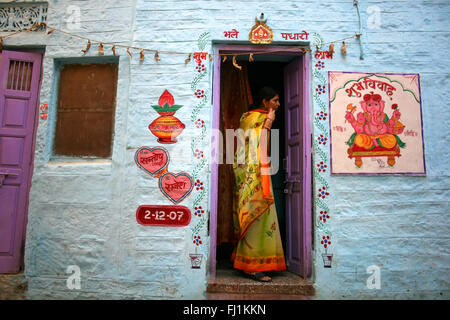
point(176, 186)
point(154, 161)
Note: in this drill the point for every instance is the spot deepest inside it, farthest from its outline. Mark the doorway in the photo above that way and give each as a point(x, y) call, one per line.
point(285, 71)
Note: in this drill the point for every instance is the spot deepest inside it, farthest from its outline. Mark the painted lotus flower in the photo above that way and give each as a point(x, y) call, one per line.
point(166, 104)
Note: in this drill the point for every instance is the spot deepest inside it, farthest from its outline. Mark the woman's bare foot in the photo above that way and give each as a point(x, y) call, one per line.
point(258, 276)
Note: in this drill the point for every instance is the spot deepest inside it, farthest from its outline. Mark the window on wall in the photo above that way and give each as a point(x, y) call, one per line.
point(85, 110)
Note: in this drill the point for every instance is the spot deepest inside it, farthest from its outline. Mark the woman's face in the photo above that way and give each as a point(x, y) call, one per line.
point(273, 103)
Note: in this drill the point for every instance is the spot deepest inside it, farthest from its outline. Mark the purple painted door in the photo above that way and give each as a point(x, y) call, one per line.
point(19, 85)
point(296, 177)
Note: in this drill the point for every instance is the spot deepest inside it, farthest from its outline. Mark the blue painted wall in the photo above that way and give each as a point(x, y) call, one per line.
point(83, 212)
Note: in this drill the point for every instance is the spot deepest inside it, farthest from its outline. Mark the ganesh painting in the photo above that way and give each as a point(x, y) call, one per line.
point(375, 124)
point(375, 133)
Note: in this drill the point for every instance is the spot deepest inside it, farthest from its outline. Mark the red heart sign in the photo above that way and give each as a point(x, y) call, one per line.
point(176, 186)
point(152, 160)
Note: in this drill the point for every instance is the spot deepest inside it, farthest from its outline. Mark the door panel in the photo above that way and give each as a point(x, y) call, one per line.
point(8, 199)
point(294, 126)
point(19, 85)
point(294, 172)
point(294, 156)
point(15, 113)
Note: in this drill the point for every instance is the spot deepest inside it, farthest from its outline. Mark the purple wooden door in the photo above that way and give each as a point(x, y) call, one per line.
point(296, 170)
point(19, 84)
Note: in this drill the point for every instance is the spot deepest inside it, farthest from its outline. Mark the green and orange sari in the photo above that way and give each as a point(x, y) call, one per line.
point(254, 216)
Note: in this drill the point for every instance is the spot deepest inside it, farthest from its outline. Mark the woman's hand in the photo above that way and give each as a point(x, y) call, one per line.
point(271, 114)
point(269, 119)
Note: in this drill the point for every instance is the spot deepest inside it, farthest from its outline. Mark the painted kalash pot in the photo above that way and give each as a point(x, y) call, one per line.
point(375, 133)
point(166, 127)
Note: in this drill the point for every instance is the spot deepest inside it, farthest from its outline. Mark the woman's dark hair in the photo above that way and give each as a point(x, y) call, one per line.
point(263, 93)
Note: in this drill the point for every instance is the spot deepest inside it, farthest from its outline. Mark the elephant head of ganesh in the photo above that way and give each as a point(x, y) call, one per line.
point(373, 107)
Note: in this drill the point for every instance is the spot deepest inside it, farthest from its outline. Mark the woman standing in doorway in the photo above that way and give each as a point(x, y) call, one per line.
point(259, 246)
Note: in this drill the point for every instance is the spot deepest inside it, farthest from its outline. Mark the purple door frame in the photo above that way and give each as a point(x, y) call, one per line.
point(17, 170)
point(272, 50)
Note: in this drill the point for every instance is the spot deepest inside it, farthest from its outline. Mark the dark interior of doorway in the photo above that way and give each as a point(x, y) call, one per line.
point(260, 74)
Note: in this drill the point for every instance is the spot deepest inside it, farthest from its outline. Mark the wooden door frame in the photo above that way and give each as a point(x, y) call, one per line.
point(307, 183)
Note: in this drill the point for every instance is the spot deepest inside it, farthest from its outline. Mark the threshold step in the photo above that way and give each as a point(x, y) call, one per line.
point(257, 296)
point(284, 283)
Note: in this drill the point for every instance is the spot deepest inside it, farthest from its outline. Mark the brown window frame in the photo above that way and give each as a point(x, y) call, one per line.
point(61, 149)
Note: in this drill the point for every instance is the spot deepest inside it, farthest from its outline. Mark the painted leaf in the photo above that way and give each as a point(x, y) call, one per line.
point(166, 108)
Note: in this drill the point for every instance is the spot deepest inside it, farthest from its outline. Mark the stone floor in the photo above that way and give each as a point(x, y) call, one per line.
point(230, 284)
point(13, 286)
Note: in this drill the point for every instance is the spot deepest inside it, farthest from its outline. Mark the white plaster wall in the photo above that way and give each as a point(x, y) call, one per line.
point(84, 213)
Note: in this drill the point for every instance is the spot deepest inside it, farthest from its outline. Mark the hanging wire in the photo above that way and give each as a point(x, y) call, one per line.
point(114, 45)
point(356, 4)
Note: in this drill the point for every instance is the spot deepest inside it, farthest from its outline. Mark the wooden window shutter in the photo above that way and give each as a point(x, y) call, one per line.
point(86, 107)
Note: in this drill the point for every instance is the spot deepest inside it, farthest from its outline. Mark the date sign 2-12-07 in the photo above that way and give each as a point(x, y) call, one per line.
point(166, 216)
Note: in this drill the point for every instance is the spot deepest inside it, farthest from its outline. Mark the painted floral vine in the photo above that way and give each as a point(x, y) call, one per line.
point(200, 217)
point(321, 160)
